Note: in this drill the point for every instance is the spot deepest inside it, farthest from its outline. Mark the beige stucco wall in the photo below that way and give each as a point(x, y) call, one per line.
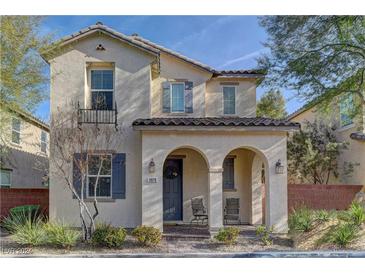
point(207, 91)
point(245, 97)
point(173, 69)
point(214, 147)
point(356, 149)
point(28, 163)
point(132, 89)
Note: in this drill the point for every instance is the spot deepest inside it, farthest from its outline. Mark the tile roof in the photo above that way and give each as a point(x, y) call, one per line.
point(199, 64)
point(26, 115)
point(107, 30)
point(238, 72)
point(216, 121)
point(152, 47)
point(171, 52)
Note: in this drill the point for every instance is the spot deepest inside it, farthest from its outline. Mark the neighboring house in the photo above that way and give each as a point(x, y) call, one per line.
point(349, 130)
point(189, 131)
point(24, 156)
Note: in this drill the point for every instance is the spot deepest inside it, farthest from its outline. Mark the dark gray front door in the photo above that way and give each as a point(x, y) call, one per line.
point(172, 190)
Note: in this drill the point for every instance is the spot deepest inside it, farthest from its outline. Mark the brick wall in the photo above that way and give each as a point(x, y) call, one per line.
point(12, 197)
point(328, 197)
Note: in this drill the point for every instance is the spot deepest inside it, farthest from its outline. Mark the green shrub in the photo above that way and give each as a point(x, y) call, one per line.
point(301, 219)
point(322, 216)
point(344, 234)
point(343, 216)
point(29, 231)
point(265, 234)
point(17, 219)
point(60, 235)
point(227, 235)
point(356, 213)
point(109, 236)
point(147, 235)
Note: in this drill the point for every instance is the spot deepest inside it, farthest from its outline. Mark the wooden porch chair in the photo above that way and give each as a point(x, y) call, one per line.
point(232, 210)
point(199, 211)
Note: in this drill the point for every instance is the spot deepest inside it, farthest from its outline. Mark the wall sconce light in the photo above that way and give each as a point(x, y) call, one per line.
point(279, 168)
point(151, 166)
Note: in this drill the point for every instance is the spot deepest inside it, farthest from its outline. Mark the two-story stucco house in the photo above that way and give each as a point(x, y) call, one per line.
point(24, 144)
point(349, 130)
point(189, 131)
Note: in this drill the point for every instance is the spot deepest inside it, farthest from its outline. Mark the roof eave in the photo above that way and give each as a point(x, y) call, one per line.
point(242, 76)
point(95, 29)
point(29, 117)
point(216, 128)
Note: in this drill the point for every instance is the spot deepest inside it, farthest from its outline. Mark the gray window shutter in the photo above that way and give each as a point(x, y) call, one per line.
point(189, 97)
point(118, 176)
point(166, 102)
point(77, 160)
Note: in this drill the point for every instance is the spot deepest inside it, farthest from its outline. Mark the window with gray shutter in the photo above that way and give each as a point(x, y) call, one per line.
point(119, 176)
point(189, 97)
point(166, 97)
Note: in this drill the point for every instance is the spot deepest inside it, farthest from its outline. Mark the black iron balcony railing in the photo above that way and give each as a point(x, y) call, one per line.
point(97, 116)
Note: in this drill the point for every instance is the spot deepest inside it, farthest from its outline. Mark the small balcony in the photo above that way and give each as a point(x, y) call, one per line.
point(97, 116)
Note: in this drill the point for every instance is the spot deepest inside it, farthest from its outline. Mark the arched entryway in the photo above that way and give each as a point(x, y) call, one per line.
point(243, 184)
point(185, 177)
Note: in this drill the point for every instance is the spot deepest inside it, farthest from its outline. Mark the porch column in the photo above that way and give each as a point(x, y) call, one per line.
point(152, 197)
point(256, 192)
point(276, 187)
point(215, 200)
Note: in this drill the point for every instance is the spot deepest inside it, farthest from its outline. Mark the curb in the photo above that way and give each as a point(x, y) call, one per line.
point(322, 254)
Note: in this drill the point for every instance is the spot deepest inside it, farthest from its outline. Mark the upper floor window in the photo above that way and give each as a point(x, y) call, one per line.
point(346, 109)
point(229, 100)
point(15, 130)
point(99, 166)
point(177, 97)
point(102, 89)
point(44, 141)
point(5, 178)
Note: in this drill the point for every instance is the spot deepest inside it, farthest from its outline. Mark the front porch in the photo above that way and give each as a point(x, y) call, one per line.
point(185, 185)
point(180, 163)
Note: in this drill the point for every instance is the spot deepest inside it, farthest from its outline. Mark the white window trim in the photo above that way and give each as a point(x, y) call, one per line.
point(100, 176)
point(45, 142)
point(10, 178)
point(235, 96)
point(177, 83)
point(101, 90)
point(12, 129)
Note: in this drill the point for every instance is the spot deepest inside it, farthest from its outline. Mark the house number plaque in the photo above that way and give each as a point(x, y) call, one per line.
point(152, 180)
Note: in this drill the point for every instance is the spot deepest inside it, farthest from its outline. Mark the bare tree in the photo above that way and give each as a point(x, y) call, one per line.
point(69, 137)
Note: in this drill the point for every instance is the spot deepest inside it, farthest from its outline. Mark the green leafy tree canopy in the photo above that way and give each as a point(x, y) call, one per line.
point(320, 57)
point(271, 105)
point(23, 71)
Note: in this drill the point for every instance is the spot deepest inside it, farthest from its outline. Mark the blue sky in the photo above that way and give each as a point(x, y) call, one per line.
point(223, 42)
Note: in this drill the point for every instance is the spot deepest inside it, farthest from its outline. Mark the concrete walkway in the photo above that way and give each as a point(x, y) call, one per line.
point(310, 254)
